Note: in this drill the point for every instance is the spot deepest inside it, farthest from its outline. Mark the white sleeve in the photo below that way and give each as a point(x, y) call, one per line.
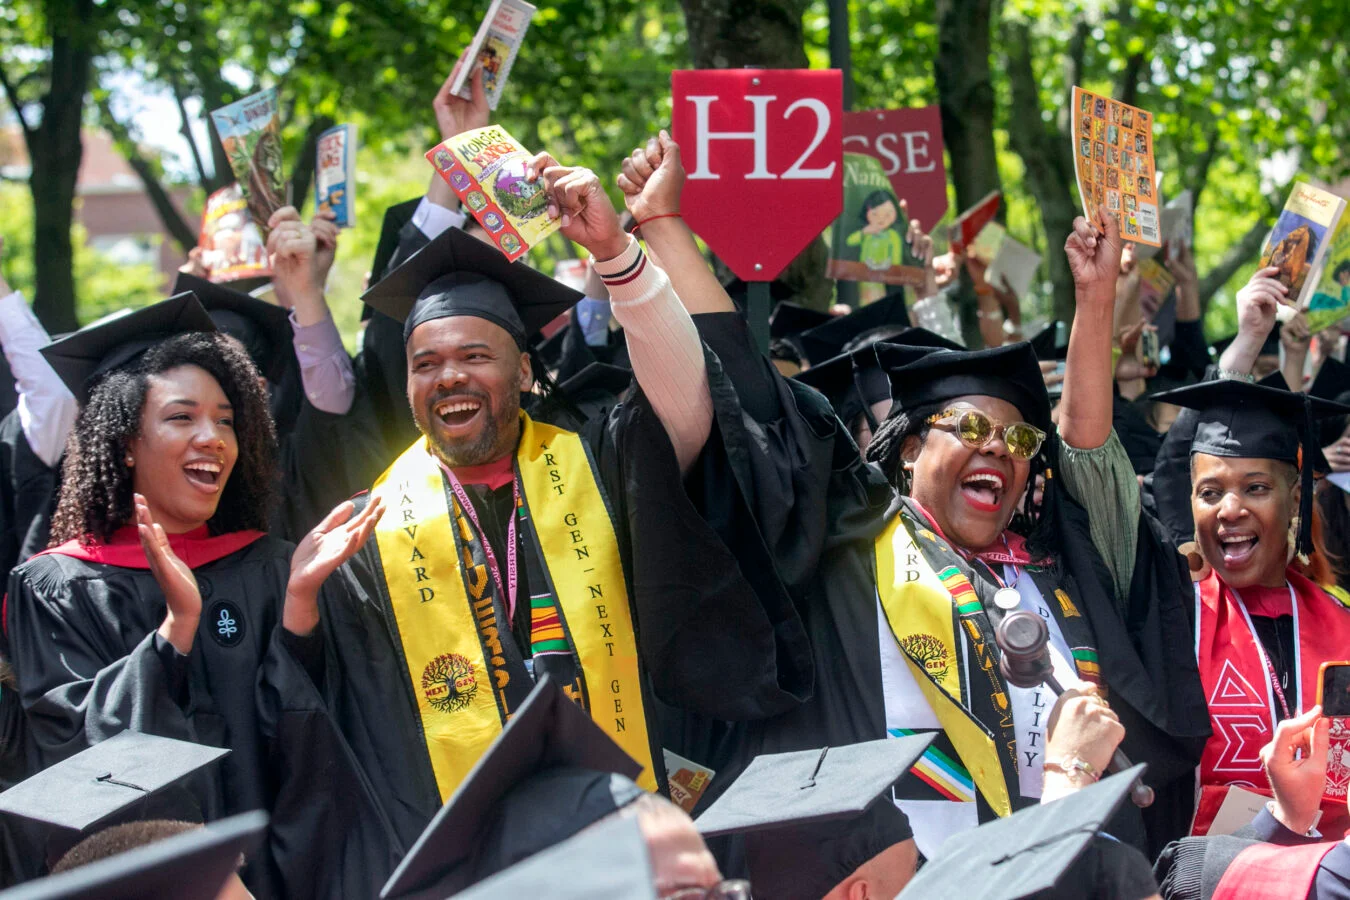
point(432, 218)
point(46, 407)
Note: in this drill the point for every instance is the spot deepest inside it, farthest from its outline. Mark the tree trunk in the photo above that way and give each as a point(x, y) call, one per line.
point(1048, 158)
point(55, 150)
point(966, 99)
point(169, 215)
point(302, 171)
point(732, 34)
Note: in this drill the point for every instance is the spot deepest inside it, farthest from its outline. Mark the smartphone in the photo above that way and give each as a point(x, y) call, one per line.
point(1149, 351)
point(1333, 688)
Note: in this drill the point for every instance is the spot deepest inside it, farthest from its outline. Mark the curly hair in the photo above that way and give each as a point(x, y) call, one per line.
point(96, 483)
point(1032, 520)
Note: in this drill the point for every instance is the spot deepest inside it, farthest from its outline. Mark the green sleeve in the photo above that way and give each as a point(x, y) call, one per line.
point(1103, 482)
point(897, 248)
point(855, 238)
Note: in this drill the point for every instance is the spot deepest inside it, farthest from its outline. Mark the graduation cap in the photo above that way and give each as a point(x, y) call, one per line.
point(395, 217)
point(1237, 419)
point(810, 818)
point(828, 340)
point(852, 382)
point(117, 340)
point(549, 774)
point(263, 328)
point(790, 319)
point(1010, 373)
point(129, 776)
point(459, 275)
point(193, 865)
point(1032, 853)
point(609, 860)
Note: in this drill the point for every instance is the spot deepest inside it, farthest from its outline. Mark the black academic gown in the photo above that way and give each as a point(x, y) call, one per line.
point(28, 489)
point(708, 639)
point(818, 517)
point(82, 635)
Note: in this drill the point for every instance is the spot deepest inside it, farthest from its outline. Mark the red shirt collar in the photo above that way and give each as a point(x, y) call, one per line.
point(496, 474)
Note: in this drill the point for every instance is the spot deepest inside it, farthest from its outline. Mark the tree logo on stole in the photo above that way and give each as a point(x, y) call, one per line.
point(929, 652)
point(449, 683)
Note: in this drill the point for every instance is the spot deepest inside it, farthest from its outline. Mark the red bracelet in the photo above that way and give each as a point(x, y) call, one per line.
point(653, 219)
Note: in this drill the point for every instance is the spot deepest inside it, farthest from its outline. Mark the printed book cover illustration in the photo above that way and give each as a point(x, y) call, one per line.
point(970, 223)
point(1113, 162)
point(232, 244)
point(335, 174)
point(494, 49)
point(1299, 240)
point(250, 132)
point(1330, 302)
point(1155, 283)
point(868, 240)
point(486, 170)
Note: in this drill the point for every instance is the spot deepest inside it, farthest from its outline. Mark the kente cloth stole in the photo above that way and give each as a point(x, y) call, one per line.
point(463, 666)
point(1243, 707)
point(926, 595)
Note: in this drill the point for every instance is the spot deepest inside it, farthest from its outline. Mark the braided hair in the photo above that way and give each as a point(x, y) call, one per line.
point(1034, 521)
point(96, 483)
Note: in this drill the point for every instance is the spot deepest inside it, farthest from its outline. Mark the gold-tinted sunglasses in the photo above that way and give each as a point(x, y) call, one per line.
point(975, 430)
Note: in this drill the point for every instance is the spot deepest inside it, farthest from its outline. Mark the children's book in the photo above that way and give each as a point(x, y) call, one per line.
point(1177, 216)
point(1330, 301)
point(486, 170)
point(335, 174)
point(250, 132)
point(1113, 162)
point(970, 223)
point(232, 245)
point(985, 246)
point(1015, 266)
point(1299, 241)
point(494, 49)
point(868, 239)
point(1155, 283)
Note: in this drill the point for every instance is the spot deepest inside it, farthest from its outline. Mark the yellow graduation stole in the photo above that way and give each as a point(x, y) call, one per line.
point(444, 611)
point(922, 613)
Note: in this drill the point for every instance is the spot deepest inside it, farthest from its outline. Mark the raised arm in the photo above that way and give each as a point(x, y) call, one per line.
point(663, 345)
point(1256, 305)
point(1094, 258)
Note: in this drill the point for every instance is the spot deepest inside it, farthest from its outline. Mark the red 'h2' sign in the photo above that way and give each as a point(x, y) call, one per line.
point(764, 153)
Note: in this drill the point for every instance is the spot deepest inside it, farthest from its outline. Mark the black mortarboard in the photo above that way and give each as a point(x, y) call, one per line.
point(1238, 419)
point(1271, 346)
point(1009, 373)
point(395, 217)
point(459, 275)
point(116, 340)
point(828, 340)
point(790, 319)
point(810, 818)
point(739, 290)
point(550, 773)
point(1332, 383)
point(189, 866)
point(852, 382)
point(1031, 853)
point(609, 860)
point(1047, 344)
point(922, 337)
point(263, 328)
point(129, 776)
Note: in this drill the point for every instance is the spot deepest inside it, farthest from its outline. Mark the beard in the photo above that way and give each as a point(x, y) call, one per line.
point(497, 436)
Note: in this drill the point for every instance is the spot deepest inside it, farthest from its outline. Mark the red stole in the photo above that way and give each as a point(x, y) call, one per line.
point(1270, 870)
point(1242, 703)
point(196, 548)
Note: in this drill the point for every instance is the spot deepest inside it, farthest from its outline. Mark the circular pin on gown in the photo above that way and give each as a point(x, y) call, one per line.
point(1007, 598)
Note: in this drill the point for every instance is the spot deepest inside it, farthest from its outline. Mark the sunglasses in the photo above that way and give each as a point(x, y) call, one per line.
point(731, 889)
point(976, 430)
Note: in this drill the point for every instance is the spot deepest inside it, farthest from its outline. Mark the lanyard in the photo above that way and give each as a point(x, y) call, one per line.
point(1261, 650)
point(487, 544)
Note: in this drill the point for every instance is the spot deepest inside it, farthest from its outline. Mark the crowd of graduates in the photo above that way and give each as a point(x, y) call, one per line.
point(552, 593)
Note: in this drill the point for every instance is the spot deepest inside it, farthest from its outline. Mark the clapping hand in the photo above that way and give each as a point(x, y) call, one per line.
point(182, 597)
point(334, 541)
